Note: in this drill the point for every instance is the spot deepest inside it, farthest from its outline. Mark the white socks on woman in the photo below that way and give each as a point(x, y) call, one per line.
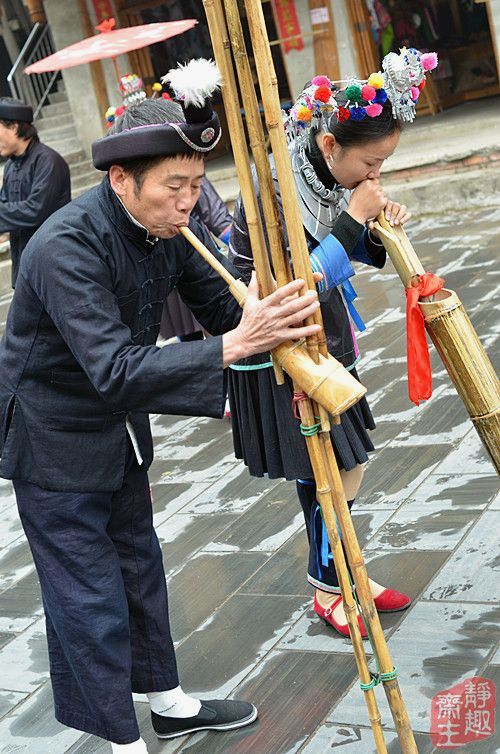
point(173, 703)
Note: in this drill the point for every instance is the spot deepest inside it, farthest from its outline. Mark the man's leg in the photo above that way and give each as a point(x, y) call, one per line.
point(134, 538)
point(154, 671)
point(86, 608)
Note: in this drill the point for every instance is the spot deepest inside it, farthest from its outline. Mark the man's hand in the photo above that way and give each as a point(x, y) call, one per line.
point(268, 322)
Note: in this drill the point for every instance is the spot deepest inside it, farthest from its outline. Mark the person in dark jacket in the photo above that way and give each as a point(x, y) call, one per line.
point(79, 373)
point(36, 180)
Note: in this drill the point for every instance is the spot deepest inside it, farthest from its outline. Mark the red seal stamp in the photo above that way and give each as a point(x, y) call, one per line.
point(463, 714)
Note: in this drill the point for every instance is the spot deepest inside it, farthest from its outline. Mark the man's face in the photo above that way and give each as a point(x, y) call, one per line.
point(10, 143)
point(167, 195)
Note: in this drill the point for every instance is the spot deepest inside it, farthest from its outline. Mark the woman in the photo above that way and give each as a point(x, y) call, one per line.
point(338, 142)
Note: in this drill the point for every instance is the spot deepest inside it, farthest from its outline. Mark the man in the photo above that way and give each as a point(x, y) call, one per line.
point(36, 179)
point(79, 372)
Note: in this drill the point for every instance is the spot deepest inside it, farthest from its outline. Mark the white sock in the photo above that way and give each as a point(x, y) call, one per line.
point(173, 703)
point(137, 747)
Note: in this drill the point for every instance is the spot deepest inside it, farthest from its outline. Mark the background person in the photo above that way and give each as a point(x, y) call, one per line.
point(36, 179)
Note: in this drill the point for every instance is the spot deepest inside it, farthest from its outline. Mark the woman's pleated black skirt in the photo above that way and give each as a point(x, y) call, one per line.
point(267, 436)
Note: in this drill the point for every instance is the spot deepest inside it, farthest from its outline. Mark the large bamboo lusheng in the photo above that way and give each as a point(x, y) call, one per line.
point(300, 259)
point(456, 341)
point(321, 452)
point(307, 410)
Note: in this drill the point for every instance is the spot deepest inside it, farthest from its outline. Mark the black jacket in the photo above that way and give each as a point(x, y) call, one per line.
point(79, 350)
point(35, 185)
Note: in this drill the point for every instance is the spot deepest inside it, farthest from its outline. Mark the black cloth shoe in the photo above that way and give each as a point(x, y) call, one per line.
point(215, 714)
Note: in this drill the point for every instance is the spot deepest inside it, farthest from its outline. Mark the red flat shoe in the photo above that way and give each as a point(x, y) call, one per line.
point(327, 615)
point(391, 601)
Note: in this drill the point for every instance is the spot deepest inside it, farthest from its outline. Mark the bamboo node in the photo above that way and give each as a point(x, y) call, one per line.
point(297, 344)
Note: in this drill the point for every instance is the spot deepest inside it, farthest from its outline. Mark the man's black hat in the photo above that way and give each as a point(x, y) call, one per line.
point(15, 110)
point(193, 84)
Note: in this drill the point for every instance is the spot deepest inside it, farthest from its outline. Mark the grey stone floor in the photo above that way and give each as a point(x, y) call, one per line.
point(235, 553)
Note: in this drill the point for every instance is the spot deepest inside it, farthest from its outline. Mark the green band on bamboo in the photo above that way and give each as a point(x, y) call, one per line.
point(389, 676)
point(374, 682)
point(310, 431)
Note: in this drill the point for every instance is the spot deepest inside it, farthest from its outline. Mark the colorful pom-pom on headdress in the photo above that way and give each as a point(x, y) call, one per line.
point(401, 80)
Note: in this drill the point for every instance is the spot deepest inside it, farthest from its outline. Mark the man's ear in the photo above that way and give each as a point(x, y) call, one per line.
point(118, 179)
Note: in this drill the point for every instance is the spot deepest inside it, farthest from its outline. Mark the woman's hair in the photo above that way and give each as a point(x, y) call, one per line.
point(148, 112)
point(354, 133)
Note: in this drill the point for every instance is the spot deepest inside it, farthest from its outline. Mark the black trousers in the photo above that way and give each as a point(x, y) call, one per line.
point(103, 586)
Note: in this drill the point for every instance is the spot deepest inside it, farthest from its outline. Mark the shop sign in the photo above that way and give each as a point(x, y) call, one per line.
point(288, 25)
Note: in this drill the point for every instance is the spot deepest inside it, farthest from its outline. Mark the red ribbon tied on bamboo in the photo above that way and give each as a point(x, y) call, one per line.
point(419, 363)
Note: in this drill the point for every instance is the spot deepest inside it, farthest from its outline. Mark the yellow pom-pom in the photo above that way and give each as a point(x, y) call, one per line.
point(376, 80)
point(109, 112)
point(304, 114)
point(157, 87)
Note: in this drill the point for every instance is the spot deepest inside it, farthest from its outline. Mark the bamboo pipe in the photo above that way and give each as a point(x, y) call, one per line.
point(257, 144)
point(267, 193)
point(272, 111)
point(327, 382)
point(365, 598)
point(456, 341)
point(324, 495)
point(221, 45)
point(268, 86)
point(334, 545)
point(270, 100)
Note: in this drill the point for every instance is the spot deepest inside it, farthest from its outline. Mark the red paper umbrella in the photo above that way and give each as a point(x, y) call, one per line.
point(110, 44)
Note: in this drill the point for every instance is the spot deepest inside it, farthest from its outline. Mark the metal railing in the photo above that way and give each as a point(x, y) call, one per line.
point(35, 88)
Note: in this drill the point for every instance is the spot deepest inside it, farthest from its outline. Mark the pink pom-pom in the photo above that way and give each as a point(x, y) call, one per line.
point(414, 92)
point(368, 93)
point(321, 81)
point(429, 61)
point(373, 110)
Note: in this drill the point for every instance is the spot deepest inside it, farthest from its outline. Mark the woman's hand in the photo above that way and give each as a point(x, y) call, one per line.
point(395, 214)
point(367, 200)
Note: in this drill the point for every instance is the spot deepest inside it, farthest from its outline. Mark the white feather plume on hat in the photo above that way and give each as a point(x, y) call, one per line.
point(194, 81)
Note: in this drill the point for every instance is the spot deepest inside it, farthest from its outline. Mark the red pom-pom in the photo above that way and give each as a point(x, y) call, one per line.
point(321, 81)
point(429, 61)
point(166, 95)
point(120, 110)
point(421, 85)
point(373, 110)
point(368, 93)
point(343, 114)
point(323, 93)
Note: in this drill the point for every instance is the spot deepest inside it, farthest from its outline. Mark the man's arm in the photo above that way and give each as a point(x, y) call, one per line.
point(75, 288)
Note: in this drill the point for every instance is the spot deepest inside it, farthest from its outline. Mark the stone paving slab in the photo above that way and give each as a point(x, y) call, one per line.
point(235, 552)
